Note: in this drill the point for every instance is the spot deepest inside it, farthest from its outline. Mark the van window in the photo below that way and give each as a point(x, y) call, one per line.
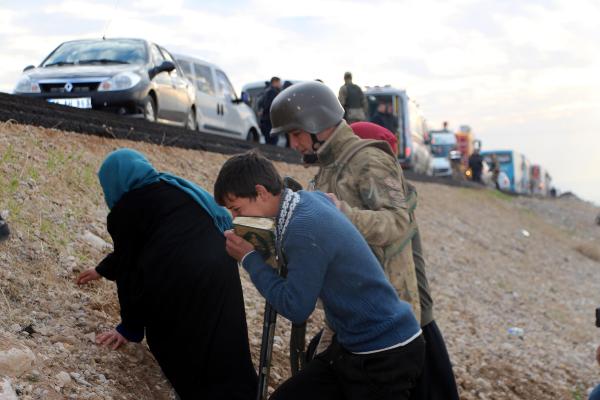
point(225, 86)
point(204, 79)
point(186, 67)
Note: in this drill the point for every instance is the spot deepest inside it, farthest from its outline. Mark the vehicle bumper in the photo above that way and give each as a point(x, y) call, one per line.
point(442, 172)
point(130, 101)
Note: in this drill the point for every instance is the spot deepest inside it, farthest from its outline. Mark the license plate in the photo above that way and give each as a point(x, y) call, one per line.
point(79, 102)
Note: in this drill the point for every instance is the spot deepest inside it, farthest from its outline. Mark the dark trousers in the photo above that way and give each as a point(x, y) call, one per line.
point(265, 127)
point(337, 374)
point(437, 380)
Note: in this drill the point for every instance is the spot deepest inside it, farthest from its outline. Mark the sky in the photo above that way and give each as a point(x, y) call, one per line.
point(525, 75)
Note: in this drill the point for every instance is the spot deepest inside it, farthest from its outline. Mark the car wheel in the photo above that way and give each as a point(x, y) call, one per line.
point(191, 123)
point(252, 136)
point(150, 109)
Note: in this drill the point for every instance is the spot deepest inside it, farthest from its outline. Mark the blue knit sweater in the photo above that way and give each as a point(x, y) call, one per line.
point(329, 259)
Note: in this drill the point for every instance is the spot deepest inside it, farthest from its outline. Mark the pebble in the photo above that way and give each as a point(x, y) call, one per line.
point(63, 378)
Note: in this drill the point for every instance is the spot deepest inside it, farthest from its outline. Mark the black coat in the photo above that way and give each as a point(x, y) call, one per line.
point(175, 279)
point(266, 101)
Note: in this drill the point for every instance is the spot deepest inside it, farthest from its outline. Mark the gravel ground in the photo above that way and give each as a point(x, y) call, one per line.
point(495, 262)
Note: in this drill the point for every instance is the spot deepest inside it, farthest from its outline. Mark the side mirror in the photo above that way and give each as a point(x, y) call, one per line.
point(165, 66)
point(27, 68)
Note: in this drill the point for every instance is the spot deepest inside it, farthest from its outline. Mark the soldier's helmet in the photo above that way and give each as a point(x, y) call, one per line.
point(308, 106)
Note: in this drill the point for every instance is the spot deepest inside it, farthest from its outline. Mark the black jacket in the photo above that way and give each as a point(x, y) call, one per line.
point(266, 101)
point(176, 281)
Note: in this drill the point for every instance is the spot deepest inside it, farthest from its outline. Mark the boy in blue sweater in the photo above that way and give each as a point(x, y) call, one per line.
point(378, 349)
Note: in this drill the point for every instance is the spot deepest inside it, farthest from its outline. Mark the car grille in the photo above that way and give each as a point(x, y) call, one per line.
point(79, 87)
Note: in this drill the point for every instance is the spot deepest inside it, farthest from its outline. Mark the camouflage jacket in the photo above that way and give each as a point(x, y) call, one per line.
point(373, 196)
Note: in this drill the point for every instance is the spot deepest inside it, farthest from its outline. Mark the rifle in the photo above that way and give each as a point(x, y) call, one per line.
point(269, 323)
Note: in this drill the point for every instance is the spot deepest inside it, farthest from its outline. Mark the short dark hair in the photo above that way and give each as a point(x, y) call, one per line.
point(241, 173)
point(275, 79)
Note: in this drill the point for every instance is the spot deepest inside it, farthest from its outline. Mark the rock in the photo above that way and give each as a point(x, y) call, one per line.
point(15, 358)
point(6, 390)
point(95, 241)
point(91, 337)
point(63, 378)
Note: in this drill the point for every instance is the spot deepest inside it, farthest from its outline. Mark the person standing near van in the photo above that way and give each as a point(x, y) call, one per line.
point(265, 105)
point(366, 183)
point(476, 165)
point(353, 100)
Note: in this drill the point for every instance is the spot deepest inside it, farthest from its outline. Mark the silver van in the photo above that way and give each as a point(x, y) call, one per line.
point(218, 109)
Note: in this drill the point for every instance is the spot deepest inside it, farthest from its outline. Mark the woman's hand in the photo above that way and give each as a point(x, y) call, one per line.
point(111, 339)
point(87, 276)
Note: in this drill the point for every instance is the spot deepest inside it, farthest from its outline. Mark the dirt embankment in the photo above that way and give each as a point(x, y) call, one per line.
point(495, 262)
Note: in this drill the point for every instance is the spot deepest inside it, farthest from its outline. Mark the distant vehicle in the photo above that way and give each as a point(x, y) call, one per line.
point(515, 166)
point(125, 76)
point(442, 143)
point(409, 126)
point(219, 110)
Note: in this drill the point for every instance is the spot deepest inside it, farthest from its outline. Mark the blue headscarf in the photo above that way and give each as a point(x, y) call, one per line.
point(125, 170)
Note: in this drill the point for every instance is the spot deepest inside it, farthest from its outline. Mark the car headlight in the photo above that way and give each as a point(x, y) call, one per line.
point(27, 85)
point(122, 81)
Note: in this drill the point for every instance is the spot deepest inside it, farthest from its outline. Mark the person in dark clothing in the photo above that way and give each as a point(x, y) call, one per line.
point(383, 118)
point(476, 165)
point(264, 107)
point(175, 282)
point(353, 100)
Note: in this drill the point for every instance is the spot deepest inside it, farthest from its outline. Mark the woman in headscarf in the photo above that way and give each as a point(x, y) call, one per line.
point(175, 281)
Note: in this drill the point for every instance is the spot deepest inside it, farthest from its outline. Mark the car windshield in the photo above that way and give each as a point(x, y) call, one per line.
point(441, 150)
point(117, 51)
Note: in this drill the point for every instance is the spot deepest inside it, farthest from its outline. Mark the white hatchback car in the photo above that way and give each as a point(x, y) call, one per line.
point(218, 109)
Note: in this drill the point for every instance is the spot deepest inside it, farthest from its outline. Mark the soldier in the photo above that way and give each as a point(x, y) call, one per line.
point(366, 182)
point(353, 100)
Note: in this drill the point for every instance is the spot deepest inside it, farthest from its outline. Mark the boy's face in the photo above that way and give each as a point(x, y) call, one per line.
point(264, 205)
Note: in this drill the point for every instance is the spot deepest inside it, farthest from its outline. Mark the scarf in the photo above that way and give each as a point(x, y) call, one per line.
point(125, 170)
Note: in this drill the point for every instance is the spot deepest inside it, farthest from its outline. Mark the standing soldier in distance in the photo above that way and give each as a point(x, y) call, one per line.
point(367, 184)
point(353, 100)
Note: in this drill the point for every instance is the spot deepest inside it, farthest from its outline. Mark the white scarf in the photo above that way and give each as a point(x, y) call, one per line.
point(289, 202)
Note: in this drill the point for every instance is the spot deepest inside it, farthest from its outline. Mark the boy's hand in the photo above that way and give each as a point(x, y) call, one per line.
point(236, 246)
point(111, 338)
point(87, 276)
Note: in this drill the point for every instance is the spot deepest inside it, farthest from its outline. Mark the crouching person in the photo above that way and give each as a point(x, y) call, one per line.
point(175, 282)
point(378, 349)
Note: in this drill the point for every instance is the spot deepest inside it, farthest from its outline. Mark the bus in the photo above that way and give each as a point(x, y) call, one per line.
point(515, 166)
